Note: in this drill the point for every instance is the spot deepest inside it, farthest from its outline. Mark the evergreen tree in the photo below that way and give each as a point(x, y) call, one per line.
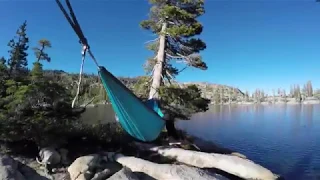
point(297, 93)
point(305, 90)
point(274, 96)
point(15, 83)
point(174, 22)
point(41, 55)
point(247, 98)
point(230, 91)
point(292, 91)
point(262, 96)
point(309, 89)
point(221, 95)
point(3, 76)
point(284, 96)
point(216, 96)
point(17, 61)
point(235, 94)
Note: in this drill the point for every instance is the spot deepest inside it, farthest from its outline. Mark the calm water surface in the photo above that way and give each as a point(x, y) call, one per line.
point(283, 138)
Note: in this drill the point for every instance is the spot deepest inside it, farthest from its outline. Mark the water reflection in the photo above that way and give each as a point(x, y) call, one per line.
point(308, 113)
point(287, 134)
point(98, 114)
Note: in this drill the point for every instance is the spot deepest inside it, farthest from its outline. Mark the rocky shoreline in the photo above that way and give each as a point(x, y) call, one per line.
point(197, 159)
point(289, 101)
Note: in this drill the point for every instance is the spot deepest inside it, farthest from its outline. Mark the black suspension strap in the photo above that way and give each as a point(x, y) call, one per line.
point(76, 27)
point(83, 41)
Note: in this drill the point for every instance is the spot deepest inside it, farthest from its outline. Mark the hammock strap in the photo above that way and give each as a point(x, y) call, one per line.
point(84, 50)
point(83, 41)
point(76, 27)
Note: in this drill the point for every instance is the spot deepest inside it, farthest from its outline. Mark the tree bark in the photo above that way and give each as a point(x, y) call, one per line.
point(157, 79)
point(171, 129)
point(170, 126)
point(157, 74)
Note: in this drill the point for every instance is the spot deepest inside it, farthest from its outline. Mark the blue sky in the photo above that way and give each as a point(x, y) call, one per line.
point(250, 44)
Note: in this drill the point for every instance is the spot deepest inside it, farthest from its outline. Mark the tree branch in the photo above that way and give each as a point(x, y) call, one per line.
point(183, 68)
point(152, 40)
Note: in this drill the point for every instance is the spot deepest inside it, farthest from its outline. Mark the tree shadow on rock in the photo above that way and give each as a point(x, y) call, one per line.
point(24, 148)
point(143, 176)
point(29, 173)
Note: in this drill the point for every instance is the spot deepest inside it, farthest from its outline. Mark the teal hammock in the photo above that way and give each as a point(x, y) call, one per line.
point(142, 121)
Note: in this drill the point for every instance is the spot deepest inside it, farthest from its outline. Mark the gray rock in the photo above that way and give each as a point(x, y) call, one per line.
point(50, 156)
point(80, 168)
point(9, 169)
point(92, 166)
point(124, 174)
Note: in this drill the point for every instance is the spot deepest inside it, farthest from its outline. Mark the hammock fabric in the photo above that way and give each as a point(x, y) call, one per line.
point(135, 117)
point(142, 121)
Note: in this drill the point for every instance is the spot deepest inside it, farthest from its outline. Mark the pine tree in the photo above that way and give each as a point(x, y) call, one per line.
point(279, 92)
point(247, 98)
point(3, 78)
point(284, 95)
point(297, 93)
point(292, 91)
point(41, 55)
point(257, 96)
point(305, 90)
point(309, 89)
point(235, 94)
point(262, 96)
point(230, 95)
point(221, 95)
point(216, 96)
point(274, 96)
point(175, 24)
point(17, 61)
point(3, 74)
point(15, 84)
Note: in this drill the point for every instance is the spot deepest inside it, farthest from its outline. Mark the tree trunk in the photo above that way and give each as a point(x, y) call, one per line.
point(158, 68)
point(171, 129)
point(157, 78)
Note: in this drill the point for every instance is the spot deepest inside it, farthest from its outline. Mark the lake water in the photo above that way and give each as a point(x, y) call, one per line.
point(283, 138)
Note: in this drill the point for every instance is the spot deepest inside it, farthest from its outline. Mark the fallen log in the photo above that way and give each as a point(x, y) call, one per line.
point(231, 164)
point(164, 171)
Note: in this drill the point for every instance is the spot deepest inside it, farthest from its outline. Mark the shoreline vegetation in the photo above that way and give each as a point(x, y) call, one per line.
point(223, 95)
point(42, 138)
